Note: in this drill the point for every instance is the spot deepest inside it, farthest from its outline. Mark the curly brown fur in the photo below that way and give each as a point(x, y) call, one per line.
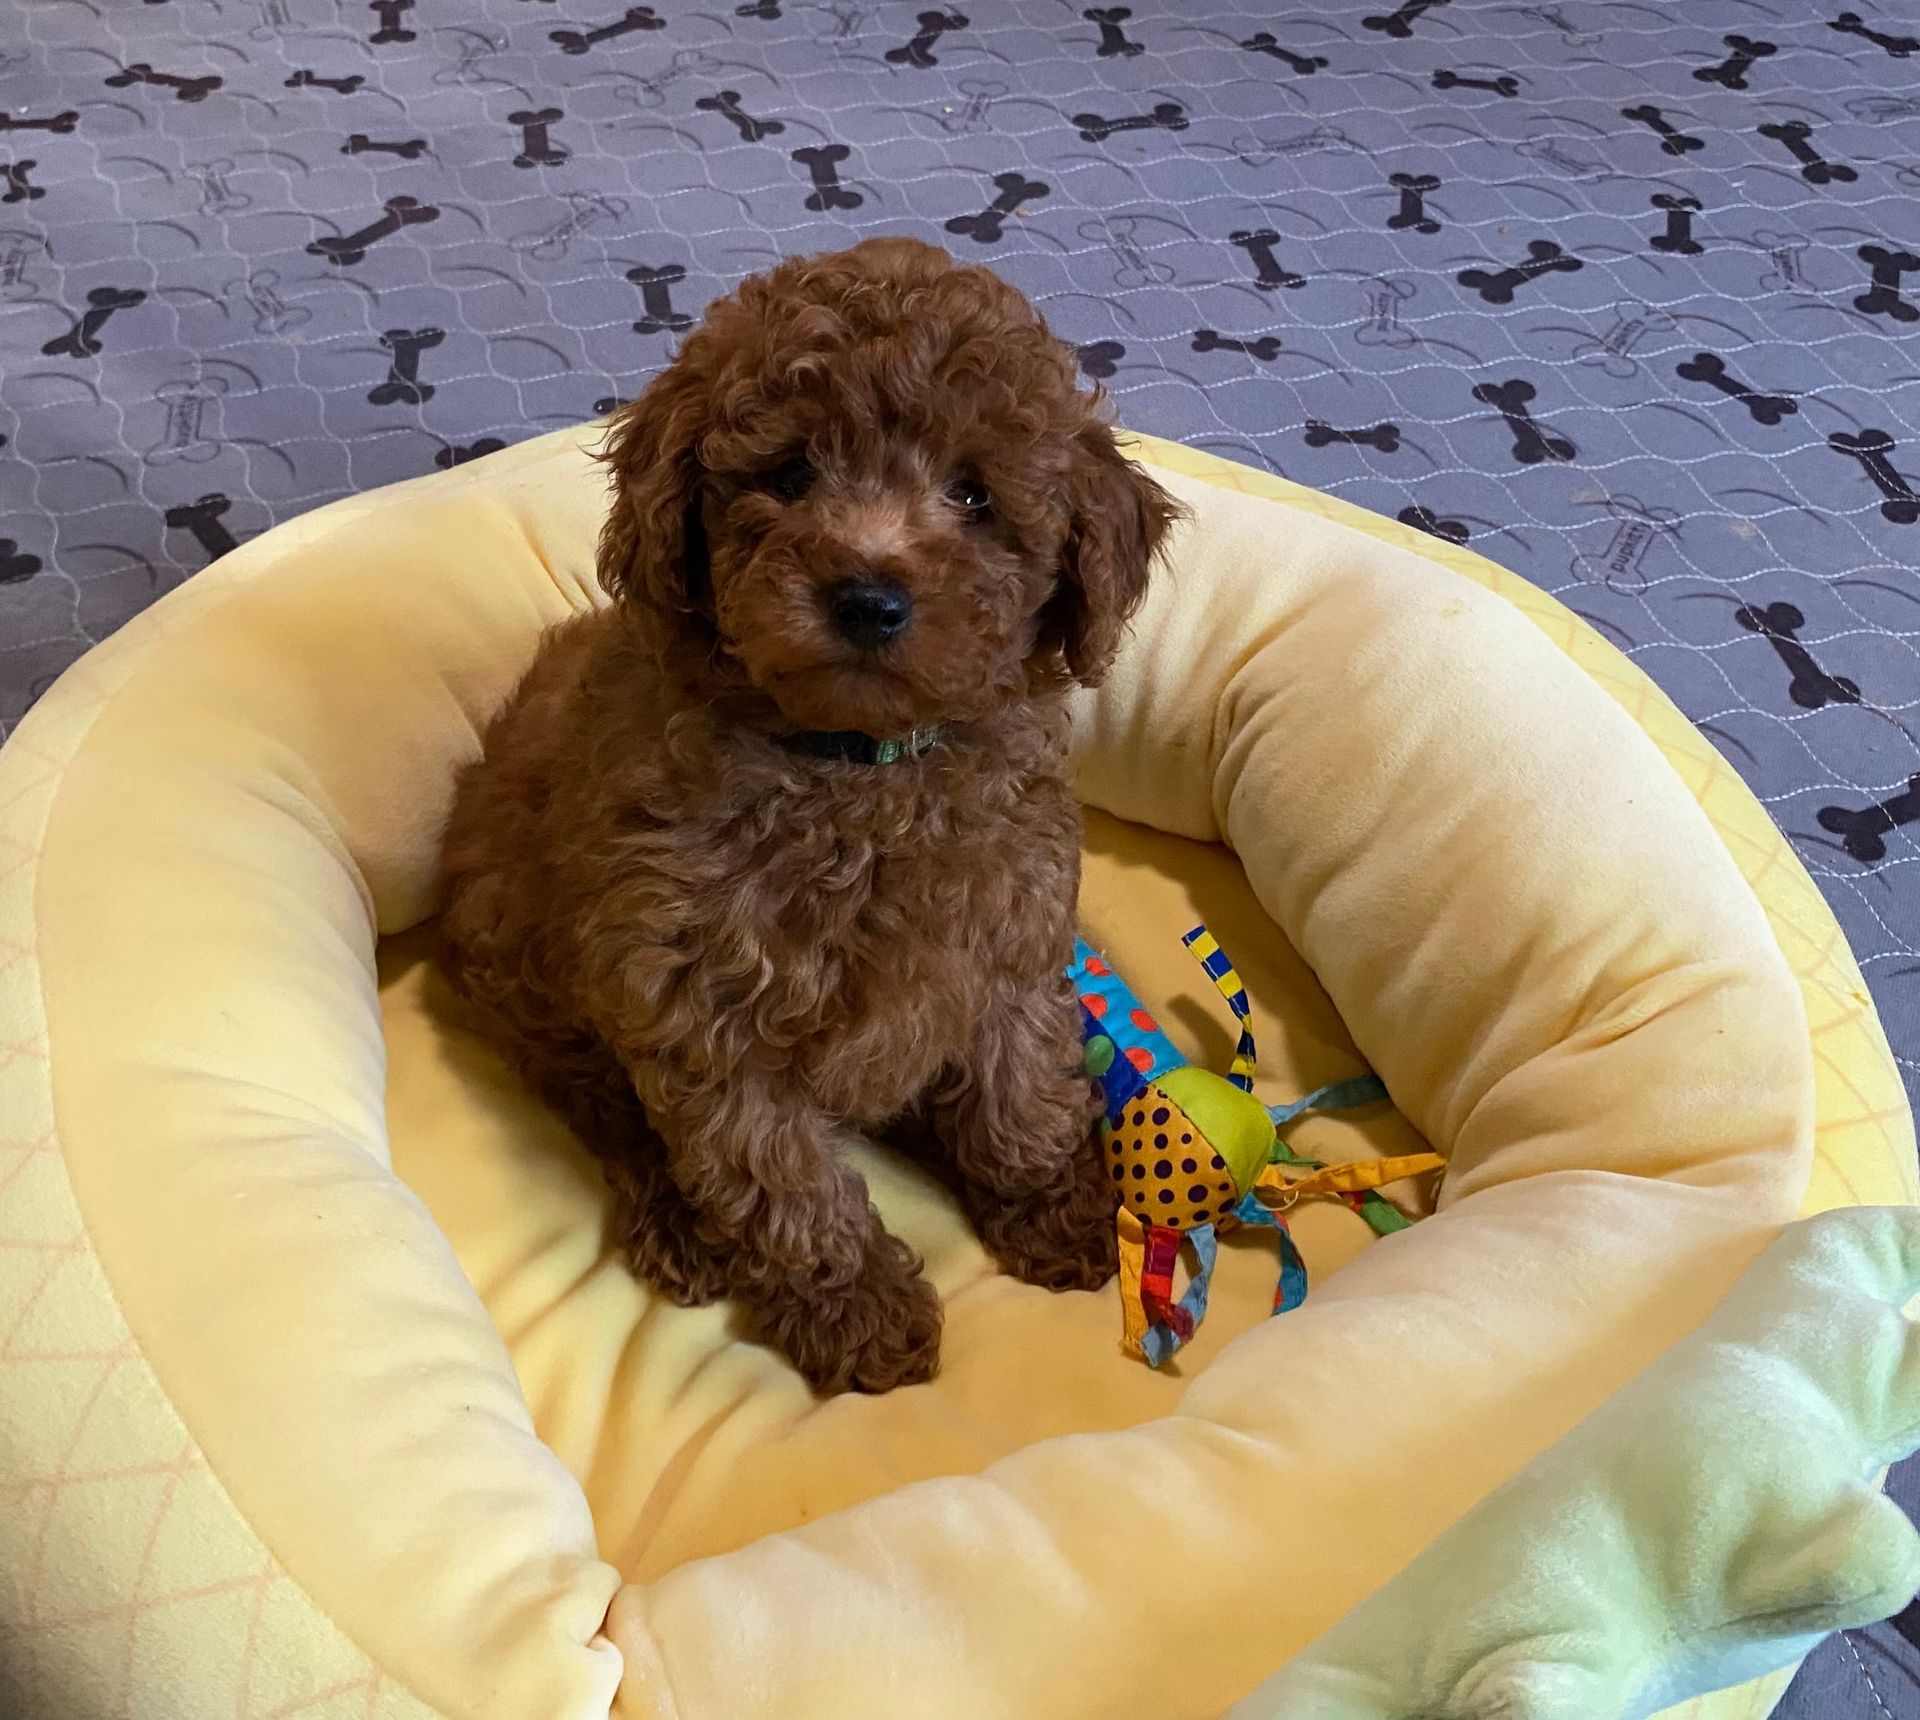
point(721, 958)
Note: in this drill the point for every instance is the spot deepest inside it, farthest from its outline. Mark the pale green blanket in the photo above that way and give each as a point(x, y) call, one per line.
point(1708, 1525)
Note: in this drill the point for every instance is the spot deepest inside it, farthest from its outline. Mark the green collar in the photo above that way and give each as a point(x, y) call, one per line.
point(850, 746)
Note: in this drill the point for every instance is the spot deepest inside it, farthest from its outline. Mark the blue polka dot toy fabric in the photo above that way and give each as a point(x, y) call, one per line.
point(1193, 1153)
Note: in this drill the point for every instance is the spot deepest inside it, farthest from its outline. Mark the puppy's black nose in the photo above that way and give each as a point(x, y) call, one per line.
point(869, 612)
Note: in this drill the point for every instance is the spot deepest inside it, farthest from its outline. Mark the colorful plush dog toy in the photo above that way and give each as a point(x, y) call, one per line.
point(1193, 1152)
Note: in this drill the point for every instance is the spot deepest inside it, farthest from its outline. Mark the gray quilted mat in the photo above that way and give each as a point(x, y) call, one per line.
point(1627, 296)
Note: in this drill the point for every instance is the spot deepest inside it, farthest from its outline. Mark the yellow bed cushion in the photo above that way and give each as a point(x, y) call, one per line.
point(320, 1394)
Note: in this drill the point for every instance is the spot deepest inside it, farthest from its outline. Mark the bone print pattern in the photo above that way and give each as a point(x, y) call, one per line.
point(1497, 286)
point(1742, 54)
point(1811, 686)
point(656, 293)
point(988, 227)
point(202, 520)
point(1264, 42)
point(1267, 272)
point(1677, 234)
point(585, 41)
point(1673, 139)
point(19, 182)
point(1795, 136)
point(1711, 369)
point(219, 302)
point(1384, 437)
point(726, 103)
point(407, 149)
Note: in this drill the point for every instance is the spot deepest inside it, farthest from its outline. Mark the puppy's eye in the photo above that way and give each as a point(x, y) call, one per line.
point(970, 496)
point(790, 480)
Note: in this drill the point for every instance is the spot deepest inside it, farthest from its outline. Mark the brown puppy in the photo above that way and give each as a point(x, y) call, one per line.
point(721, 923)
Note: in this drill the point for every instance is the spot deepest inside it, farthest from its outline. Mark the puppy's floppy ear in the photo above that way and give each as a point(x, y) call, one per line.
point(1117, 519)
point(652, 551)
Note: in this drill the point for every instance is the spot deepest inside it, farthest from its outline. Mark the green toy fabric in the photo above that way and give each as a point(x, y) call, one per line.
point(1706, 1526)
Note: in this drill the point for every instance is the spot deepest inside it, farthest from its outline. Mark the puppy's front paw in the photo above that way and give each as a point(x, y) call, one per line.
point(1066, 1240)
point(881, 1331)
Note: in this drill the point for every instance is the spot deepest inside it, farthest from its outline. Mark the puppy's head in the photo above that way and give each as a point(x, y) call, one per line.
point(869, 488)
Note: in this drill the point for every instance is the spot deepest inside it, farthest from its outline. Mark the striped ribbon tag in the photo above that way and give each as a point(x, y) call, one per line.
point(1218, 969)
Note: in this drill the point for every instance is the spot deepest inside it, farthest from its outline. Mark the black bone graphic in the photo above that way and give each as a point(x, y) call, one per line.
point(1794, 136)
point(202, 519)
point(1731, 73)
point(768, 10)
point(1497, 287)
point(351, 248)
point(390, 12)
point(727, 105)
point(1531, 444)
point(60, 124)
point(986, 227)
point(1266, 348)
point(1711, 369)
point(1166, 116)
point(1811, 686)
point(1426, 520)
point(1262, 42)
point(1399, 24)
point(1385, 437)
point(453, 454)
point(16, 564)
point(1113, 39)
point(919, 52)
point(1451, 80)
point(83, 339)
point(823, 167)
point(537, 148)
point(1412, 213)
point(1268, 274)
point(1677, 237)
point(1872, 449)
point(403, 386)
point(1861, 829)
point(20, 189)
point(185, 89)
point(1852, 24)
point(408, 149)
point(1100, 358)
point(634, 18)
point(656, 293)
point(1883, 299)
point(306, 80)
point(1673, 141)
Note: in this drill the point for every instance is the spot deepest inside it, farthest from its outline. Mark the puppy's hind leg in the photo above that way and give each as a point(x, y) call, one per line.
point(659, 1230)
point(653, 1223)
point(1018, 1117)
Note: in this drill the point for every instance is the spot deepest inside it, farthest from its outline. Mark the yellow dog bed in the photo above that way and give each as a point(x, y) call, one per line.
point(316, 1404)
